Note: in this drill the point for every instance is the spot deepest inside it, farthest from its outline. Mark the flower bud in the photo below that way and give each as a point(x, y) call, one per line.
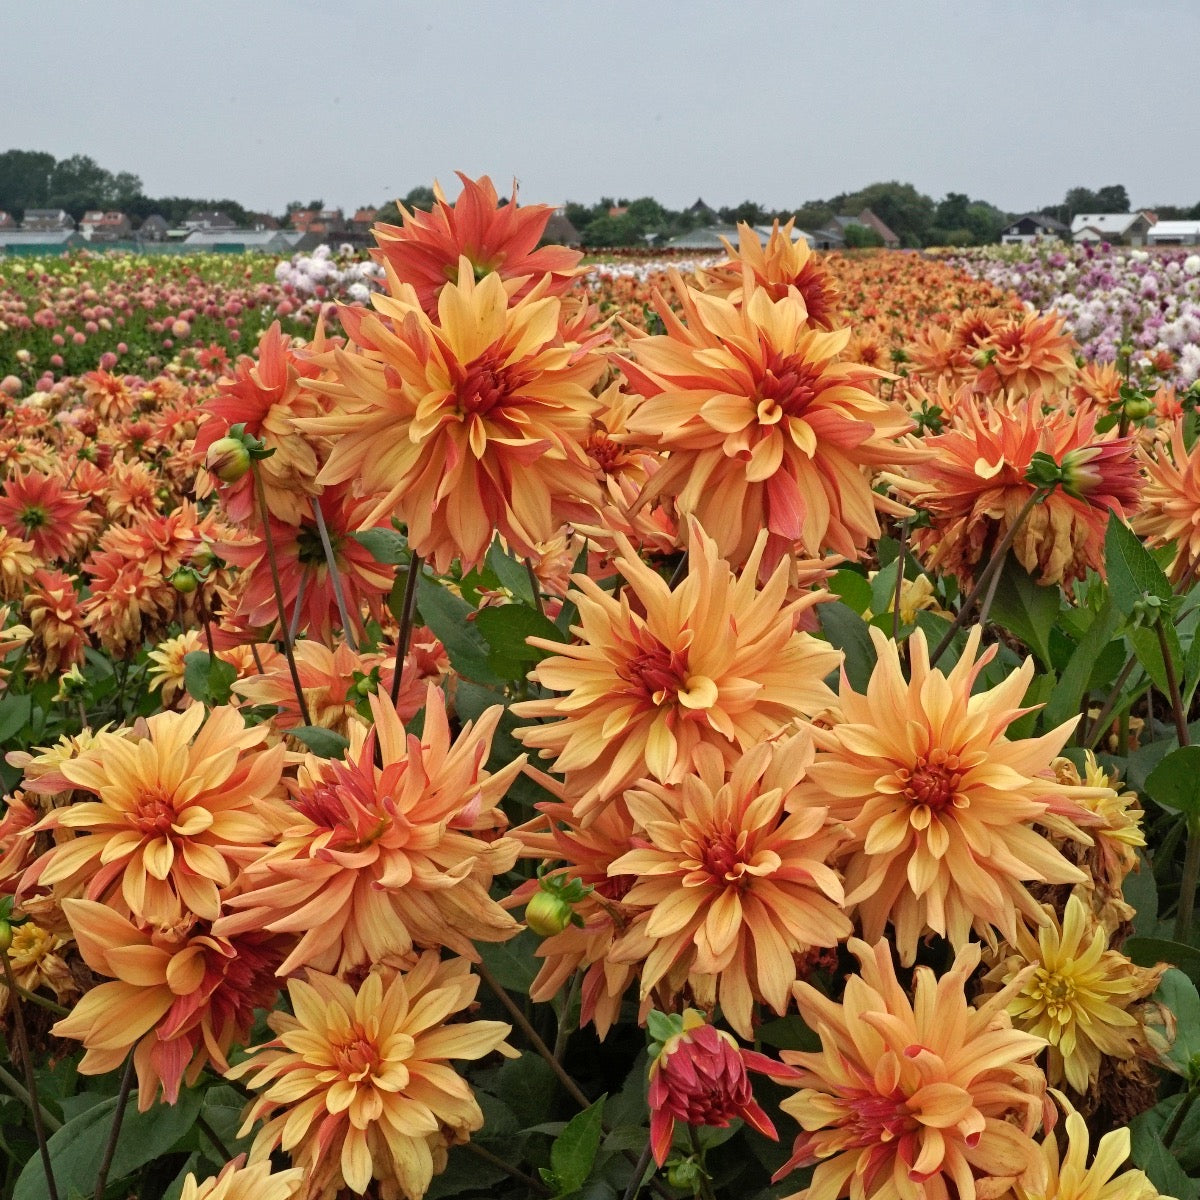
point(185, 580)
point(547, 913)
point(228, 459)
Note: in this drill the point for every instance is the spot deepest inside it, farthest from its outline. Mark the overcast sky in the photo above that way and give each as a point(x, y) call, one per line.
point(1012, 101)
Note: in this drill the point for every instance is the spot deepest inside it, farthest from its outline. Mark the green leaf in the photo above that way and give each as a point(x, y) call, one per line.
point(527, 1085)
point(326, 743)
point(1149, 1153)
point(77, 1149)
point(513, 963)
point(788, 1033)
point(14, 715)
point(1132, 572)
point(1178, 993)
point(1175, 783)
point(574, 1150)
point(854, 590)
point(384, 545)
point(452, 619)
point(1145, 645)
point(513, 575)
point(207, 678)
point(883, 588)
point(1150, 951)
point(1141, 891)
point(1076, 676)
point(1025, 609)
point(505, 627)
point(846, 630)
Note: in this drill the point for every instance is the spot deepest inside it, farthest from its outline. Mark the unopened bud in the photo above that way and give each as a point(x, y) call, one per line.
point(228, 459)
point(547, 913)
point(185, 580)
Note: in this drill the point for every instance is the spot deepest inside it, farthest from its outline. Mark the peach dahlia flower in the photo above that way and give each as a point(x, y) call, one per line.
point(765, 427)
point(469, 425)
point(239, 1182)
point(1171, 502)
point(922, 1099)
point(940, 803)
point(376, 858)
point(357, 1085)
point(658, 672)
point(736, 888)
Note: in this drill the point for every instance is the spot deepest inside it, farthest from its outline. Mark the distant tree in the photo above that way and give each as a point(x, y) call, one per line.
point(1112, 199)
point(80, 183)
point(421, 197)
point(985, 221)
point(607, 232)
point(951, 212)
point(389, 214)
point(1079, 200)
point(747, 211)
point(24, 180)
point(907, 212)
point(648, 212)
point(860, 236)
point(813, 215)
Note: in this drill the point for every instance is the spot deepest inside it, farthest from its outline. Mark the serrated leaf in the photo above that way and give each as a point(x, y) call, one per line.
point(1178, 993)
point(1175, 783)
point(512, 963)
point(207, 678)
point(1149, 653)
point(788, 1033)
point(1076, 677)
point(326, 743)
point(512, 574)
point(1025, 609)
point(1132, 572)
point(847, 631)
point(77, 1149)
point(574, 1150)
point(1148, 1152)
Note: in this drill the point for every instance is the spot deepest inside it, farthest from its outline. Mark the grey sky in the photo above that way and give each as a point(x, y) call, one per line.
point(1012, 102)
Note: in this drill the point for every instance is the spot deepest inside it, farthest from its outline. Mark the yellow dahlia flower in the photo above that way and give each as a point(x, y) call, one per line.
point(238, 1182)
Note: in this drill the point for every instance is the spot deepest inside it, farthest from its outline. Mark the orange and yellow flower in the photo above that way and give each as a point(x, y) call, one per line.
point(357, 1085)
point(240, 1182)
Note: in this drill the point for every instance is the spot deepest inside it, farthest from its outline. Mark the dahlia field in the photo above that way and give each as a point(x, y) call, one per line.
point(480, 724)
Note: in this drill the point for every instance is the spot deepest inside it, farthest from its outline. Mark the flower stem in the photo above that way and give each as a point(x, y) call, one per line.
point(565, 1025)
point(900, 555)
point(1185, 1106)
point(487, 1156)
point(415, 565)
point(1181, 729)
point(35, 1107)
point(283, 622)
point(1187, 885)
point(114, 1133)
point(536, 587)
point(985, 579)
point(21, 1092)
point(639, 1170)
point(334, 574)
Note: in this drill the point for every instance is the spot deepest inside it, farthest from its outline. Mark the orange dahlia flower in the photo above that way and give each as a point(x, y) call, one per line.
point(765, 428)
point(659, 672)
point(178, 997)
point(239, 1182)
point(1028, 354)
point(1171, 502)
point(928, 1099)
point(737, 889)
point(776, 267)
point(465, 427)
point(174, 812)
point(54, 518)
point(55, 617)
point(356, 1086)
point(266, 396)
point(941, 804)
point(379, 858)
point(973, 486)
point(18, 562)
point(427, 251)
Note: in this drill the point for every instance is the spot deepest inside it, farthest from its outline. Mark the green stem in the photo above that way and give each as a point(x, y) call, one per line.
point(334, 575)
point(565, 1025)
point(487, 1156)
point(18, 1089)
point(639, 1170)
point(536, 587)
point(900, 553)
point(705, 1186)
point(264, 513)
point(985, 579)
point(1187, 886)
point(1181, 729)
point(1096, 730)
point(114, 1132)
point(214, 1137)
point(415, 565)
point(35, 1107)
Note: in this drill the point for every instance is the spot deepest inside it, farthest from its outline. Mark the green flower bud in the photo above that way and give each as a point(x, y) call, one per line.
point(547, 913)
point(185, 580)
point(228, 459)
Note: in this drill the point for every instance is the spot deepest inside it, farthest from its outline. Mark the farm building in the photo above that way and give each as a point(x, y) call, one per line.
point(38, 241)
point(1174, 233)
point(235, 240)
point(1118, 229)
point(1031, 227)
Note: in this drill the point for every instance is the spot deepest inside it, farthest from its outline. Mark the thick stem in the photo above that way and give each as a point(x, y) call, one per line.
point(986, 606)
point(214, 1137)
point(264, 514)
point(565, 1025)
point(985, 579)
point(681, 570)
point(1097, 729)
point(35, 1107)
point(334, 574)
point(639, 1170)
point(114, 1133)
point(409, 604)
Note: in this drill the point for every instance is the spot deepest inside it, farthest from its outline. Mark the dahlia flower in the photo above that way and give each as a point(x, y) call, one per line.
point(167, 664)
point(736, 887)
point(699, 1076)
point(177, 996)
point(174, 812)
point(356, 1086)
point(428, 250)
point(1078, 996)
point(776, 267)
point(52, 517)
point(18, 562)
point(716, 660)
point(51, 606)
point(765, 428)
point(1070, 1178)
point(379, 858)
point(1028, 354)
point(928, 1099)
point(941, 805)
point(1171, 502)
point(239, 1182)
point(465, 427)
point(973, 486)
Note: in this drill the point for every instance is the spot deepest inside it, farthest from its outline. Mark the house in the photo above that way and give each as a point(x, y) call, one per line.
point(560, 231)
point(238, 240)
point(208, 219)
point(38, 241)
point(153, 229)
point(322, 221)
point(1031, 227)
point(828, 239)
point(364, 220)
point(100, 226)
point(1119, 229)
point(262, 221)
point(7, 220)
point(1174, 233)
point(835, 232)
point(709, 238)
point(701, 212)
point(41, 219)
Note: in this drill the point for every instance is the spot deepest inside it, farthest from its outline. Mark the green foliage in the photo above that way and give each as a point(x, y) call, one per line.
point(574, 1151)
point(208, 678)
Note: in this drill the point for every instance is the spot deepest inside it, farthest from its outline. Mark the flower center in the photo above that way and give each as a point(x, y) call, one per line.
point(722, 855)
point(606, 454)
point(661, 676)
point(481, 385)
point(1057, 993)
point(933, 782)
point(32, 518)
point(155, 813)
point(787, 387)
point(357, 1058)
